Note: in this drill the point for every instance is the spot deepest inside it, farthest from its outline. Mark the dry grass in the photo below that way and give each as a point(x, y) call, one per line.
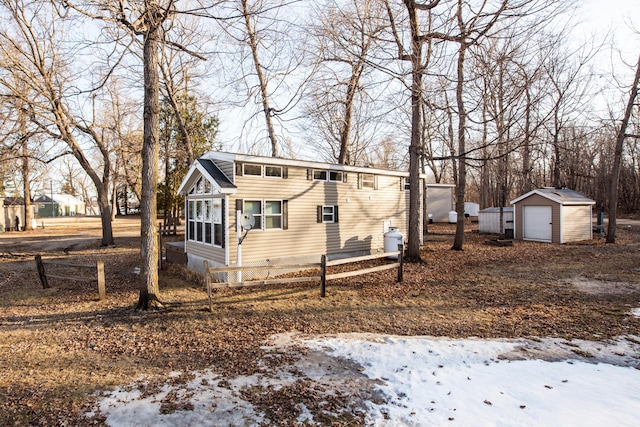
point(58, 346)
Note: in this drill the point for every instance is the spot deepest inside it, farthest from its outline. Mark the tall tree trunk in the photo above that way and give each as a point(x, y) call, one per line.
point(345, 132)
point(264, 92)
point(26, 171)
point(617, 160)
point(413, 248)
point(462, 164)
point(149, 291)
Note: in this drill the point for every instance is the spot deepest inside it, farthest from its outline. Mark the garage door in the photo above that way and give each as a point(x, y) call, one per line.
point(537, 223)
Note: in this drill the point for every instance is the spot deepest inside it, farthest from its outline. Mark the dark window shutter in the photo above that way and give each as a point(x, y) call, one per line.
point(335, 213)
point(285, 172)
point(319, 213)
point(239, 205)
point(344, 177)
point(309, 175)
point(224, 224)
point(359, 181)
point(238, 169)
point(285, 214)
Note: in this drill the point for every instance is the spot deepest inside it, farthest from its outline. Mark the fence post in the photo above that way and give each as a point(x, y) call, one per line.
point(400, 262)
point(159, 249)
point(207, 281)
point(40, 267)
point(102, 291)
point(323, 275)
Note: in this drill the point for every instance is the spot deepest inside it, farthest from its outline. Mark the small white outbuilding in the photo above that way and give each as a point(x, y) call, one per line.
point(489, 221)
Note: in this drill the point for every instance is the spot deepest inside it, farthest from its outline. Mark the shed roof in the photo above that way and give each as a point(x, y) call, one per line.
point(563, 196)
point(494, 210)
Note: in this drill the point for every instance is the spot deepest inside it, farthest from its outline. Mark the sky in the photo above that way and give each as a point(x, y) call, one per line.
point(427, 381)
point(597, 20)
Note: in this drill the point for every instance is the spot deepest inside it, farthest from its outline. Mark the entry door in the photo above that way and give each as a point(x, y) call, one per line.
point(537, 223)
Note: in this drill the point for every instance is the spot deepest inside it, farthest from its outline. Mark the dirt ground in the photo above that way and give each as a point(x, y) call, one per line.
point(60, 347)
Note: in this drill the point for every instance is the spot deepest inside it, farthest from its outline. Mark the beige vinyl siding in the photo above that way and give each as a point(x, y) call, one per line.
point(362, 213)
point(537, 200)
point(576, 223)
point(209, 252)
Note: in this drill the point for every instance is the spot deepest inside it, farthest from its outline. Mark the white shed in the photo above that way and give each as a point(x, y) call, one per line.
point(489, 221)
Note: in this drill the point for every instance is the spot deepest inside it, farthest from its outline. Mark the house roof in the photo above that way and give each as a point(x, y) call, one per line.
point(208, 169)
point(13, 201)
point(215, 173)
point(61, 199)
point(235, 157)
point(494, 210)
point(563, 196)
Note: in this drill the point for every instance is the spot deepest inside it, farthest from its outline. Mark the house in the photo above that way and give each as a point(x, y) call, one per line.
point(296, 210)
point(489, 221)
point(553, 215)
point(59, 205)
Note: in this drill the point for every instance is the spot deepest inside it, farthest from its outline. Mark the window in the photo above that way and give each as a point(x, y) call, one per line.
point(205, 222)
point(319, 175)
point(254, 207)
point(328, 214)
point(251, 170)
point(202, 186)
point(335, 176)
point(272, 214)
point(268, 214)
point(367, 180)
point(273, 171)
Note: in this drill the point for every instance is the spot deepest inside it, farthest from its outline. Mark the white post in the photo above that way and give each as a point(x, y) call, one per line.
point(239, 233)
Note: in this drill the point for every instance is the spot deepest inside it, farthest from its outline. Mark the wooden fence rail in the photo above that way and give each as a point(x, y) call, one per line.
point(323, 276)
point(99, 267)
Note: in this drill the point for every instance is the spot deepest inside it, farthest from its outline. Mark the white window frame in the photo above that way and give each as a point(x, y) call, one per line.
point(332, 214)
point(244, 169)
point(280, 168)
point(339, 176)
point(365, 182)
point(262, 216)
point(272, 215)
point(320, 172)
point(196, 225)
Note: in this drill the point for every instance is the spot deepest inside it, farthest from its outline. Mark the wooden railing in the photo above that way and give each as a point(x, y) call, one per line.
point(323, 276)
point(99, 277)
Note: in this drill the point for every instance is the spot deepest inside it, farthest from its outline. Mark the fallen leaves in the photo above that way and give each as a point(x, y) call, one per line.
point(59, 346)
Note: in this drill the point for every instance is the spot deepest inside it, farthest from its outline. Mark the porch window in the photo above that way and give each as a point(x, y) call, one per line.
point(205, 222)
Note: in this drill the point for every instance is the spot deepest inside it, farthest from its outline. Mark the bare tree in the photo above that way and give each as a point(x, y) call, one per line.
point(270, 66)
point(36, 62)
point(419, 65)
point(617, 160)
point(341, 106)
